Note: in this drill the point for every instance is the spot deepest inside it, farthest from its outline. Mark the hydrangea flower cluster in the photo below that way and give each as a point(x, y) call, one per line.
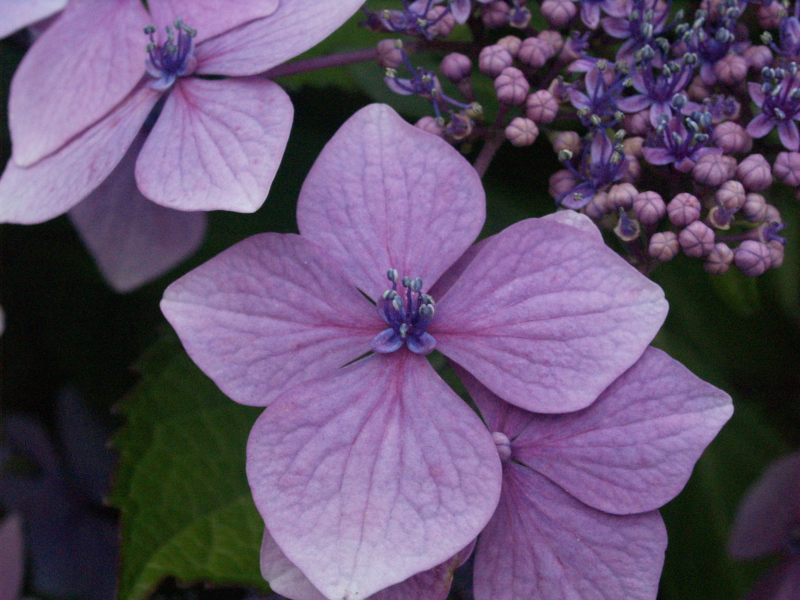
point(373, 477)
point(666, 137)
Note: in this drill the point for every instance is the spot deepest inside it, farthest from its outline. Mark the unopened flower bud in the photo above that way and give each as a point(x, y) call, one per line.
point(775, 254)
point(732, 138)
point(511, 86)
point(638, 123)
point(430, 125)
point(561, 182)
point(522, 131)
point(389, 54)
point(663, 246)
point(697, 239)
point(558, 12)
point(553, 39)
point(510, 43)
point(444, 23)
point(713, 169)
point(633, 146)
point(752, 258)
point(730, 195)
point(493, 59)
point(566, 140)
point(754, 173)
point(598, 206)
point(758, 57)
point(772, 214)
point(634, 170)
point(754, 208)
point(719, 259)
point(495, 14)
point(698, 90)
point(683, 209)
point(649, 207)
point(769, 15)
point(731, 69)
point(541, 107)
point(622, 195)
point(456, 67)
point(535, 52)
point(787, 168)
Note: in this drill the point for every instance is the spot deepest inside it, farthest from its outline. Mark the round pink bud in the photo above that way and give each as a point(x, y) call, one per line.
point(697, 239)
point(758, 57)
point(553, 39)
point(752, 258)
point(558, 12)
point(634, 170)
point(444, 26)
point(732, 138)
point(534, 52)
point(598, 206)
point(638, 123)
point(622, 195)
point(389, 53)
point(430, 125)
point(775, 254)
point(510, 43)
point(541, 106)
point(719, 259)
point(649, 207)
point(511, 86)
point(522, 131)
point(493, 59)
point(754, 173)
point(456, 67)
point(664, 246)
point(683, 209)
point(495, 14)
point(754, 208)
point(698, 90)
point(633, 146)
point(772, 214)
point(787, 168)
point(731, 69)
point(567, 140)
point(561, 182)
point(713, 169)
point(730, 195)
point(769, 16)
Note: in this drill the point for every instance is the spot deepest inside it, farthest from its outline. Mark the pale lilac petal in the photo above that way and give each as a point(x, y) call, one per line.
point(283, 577)
point(544, 544)
point(209, 17)
point(11, 557)
point(133, 240)
point(657, 156)
point(216, 145)
point(635, 447)
point(461, 10)
point(578, 221)
point(782, 582)
point(57, 183)
point(756, 93)
point(268, 313)
point(78, 71)
point(616, 27)
point(769, 511)
point(293, 28)
point(385, 194)
point(547, 319)
point(760, 126)
point(16, 14)
point(789, 135)
point(634, 103)
point(590, 14)
point(371, 475)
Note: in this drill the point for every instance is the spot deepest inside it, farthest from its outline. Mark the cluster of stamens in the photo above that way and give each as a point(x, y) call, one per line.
point(408, 315)
point(175, 58)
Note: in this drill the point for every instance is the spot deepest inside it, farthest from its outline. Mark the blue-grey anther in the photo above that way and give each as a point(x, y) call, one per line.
point(408, 312)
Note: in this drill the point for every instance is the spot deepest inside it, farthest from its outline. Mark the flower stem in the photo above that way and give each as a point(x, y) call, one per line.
point(321, 62)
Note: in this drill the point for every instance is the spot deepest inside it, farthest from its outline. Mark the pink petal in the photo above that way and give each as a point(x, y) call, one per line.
point(11, 557)
point(216, 145)
point(384, 194)
point(544, 544)
point(578, 221)
point(268, 313)
point(16, 14)
point(789, 135)
point(634, 448)
point(372, 474)
point(255, 47)
point(760, 126)
point(546, 317)
point(769, 511)
point(756, 93)
point(210, 17)
point(76, 73)
point(283, 577)
point(57, 183)
point(658, 156)
point(133, 240)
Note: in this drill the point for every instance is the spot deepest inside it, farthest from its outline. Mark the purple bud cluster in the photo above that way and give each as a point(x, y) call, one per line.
point(673, 128)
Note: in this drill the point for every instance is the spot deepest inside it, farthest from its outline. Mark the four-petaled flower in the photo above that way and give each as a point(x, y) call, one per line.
point(371, 470)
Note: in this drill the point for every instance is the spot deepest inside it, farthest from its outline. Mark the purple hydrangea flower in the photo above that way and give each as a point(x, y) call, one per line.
point(657, 87)
point(370, 470)
point(779, 100)
point(602, 163)
point(682, 140)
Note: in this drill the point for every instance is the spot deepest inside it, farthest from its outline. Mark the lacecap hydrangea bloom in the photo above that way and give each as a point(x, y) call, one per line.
point(366, 467)
point(112, 108)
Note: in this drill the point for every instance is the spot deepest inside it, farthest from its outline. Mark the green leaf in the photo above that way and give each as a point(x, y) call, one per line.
point(181, 484)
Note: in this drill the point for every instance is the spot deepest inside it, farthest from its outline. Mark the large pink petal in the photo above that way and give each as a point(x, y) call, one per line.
point(78, 71)
point(132, 239)
point(546, 317)
point(268, 313)
point(371, 475)
point(12, 554)
point(294, 27)
point(544, 544)
point(769, 511)
point(384, 194)
point(216, 145)
point(634, 448)
point(57, 183)
point(210, 17)
point(287, 580)
point(16, 14)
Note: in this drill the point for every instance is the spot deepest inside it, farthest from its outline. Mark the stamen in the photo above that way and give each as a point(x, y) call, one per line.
point(408, 316)
point(175, 58)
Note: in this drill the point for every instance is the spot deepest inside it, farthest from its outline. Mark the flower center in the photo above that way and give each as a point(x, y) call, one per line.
point(175, 58)
point(503, 445)
point(407, 312)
